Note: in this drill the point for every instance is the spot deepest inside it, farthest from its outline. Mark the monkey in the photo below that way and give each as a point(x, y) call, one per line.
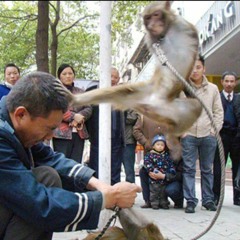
point(158, 98)
point(135, 227)
point(112, 233)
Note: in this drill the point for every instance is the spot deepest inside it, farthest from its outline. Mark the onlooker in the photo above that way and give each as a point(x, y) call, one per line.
point(157, 163)
point(11, 75)
point(33, 205)
point(144, 130)
point(129, 150)
point(69, 137)
point(236, 183)
point(228, 134)
point(117, 136)
point(199, 142)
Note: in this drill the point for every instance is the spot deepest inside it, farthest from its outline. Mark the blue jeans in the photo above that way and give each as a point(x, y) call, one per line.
point(129, 162)
point(174, 191)
point(194, 148)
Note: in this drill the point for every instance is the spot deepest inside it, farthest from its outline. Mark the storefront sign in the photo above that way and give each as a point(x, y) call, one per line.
point(215, 22)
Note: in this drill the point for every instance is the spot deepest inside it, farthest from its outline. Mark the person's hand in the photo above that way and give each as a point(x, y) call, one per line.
point(79, 118)
point(156, 176)
point(125, 194)
point(121, 194)
point(183, 135)
point(147, 146)
point(78, 126)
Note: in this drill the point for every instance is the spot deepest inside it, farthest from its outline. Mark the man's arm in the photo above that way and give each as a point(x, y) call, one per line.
point(139, 135)
point(217, 109)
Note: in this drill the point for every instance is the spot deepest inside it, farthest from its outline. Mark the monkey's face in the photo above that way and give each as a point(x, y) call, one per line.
point(155, 23)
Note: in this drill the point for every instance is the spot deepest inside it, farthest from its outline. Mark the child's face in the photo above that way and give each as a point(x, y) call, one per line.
point(159, 146)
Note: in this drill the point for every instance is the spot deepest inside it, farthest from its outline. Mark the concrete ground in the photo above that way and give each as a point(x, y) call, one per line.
point(175, 224)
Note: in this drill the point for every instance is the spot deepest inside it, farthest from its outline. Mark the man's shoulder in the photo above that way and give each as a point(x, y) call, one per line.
point(5, 128)
point(3, 85)
point(4, 90)
point(212, 85)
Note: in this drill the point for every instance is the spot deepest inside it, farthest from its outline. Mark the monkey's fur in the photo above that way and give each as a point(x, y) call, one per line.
point(135, 227)
point(158, 98)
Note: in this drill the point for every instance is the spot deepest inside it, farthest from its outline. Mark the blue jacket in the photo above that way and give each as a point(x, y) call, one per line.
point(4, 90)
point(49, 208)
point(155, 161)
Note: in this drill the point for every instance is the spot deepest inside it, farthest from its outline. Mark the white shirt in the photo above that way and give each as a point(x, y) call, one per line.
point(226, 95)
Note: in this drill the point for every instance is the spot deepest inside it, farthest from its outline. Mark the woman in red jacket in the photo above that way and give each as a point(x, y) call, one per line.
point(70, 136)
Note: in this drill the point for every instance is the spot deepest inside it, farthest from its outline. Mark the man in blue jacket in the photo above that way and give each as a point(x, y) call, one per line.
point(42, 191)
point(11, 76)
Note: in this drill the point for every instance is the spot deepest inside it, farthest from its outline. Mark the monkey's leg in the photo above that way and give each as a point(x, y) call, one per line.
point(137, 227)
point(120, 96)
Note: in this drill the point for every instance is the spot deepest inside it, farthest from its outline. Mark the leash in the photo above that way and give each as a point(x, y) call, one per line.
point(114, 216)
point(164, 61)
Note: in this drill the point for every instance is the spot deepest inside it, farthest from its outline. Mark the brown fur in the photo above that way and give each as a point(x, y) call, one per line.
point(113, 233)
point(135, 227)
point(158, 98)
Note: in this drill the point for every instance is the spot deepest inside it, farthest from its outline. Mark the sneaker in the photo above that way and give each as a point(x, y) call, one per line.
point(190, 208)
point(146, 205)
point(210, 206)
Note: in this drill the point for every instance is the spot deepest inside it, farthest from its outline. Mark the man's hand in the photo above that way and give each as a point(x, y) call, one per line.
point(121, 194)
point(147, 146)
point(125, 194)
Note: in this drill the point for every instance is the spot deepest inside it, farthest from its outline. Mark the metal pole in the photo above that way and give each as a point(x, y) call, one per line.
point(105, 108)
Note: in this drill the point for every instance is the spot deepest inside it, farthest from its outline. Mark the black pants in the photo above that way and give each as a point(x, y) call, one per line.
point(13, 227)
point(158, 196)
point(231, 145)
point(116, 161)
point(71, 148)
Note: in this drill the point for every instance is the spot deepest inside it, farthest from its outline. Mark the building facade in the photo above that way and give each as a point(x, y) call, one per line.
point(219, 34)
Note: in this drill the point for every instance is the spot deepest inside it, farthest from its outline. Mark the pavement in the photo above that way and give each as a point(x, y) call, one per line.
point(175, 224)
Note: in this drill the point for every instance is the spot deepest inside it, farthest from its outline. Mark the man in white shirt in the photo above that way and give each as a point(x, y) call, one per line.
point(228, 134)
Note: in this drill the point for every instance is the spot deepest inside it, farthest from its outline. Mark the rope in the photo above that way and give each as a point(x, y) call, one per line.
point(114, 216)
point(164, 61)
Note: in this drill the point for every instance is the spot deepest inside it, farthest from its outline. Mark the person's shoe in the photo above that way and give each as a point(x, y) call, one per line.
point(146, 205)
point(210, 206)
point(190, 208)
point(164, 206)
point(155, 207)
point(237, 203)
point(178, 206)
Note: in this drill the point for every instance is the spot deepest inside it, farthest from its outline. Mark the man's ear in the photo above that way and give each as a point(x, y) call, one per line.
point(222, 81)
point(20, 114)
